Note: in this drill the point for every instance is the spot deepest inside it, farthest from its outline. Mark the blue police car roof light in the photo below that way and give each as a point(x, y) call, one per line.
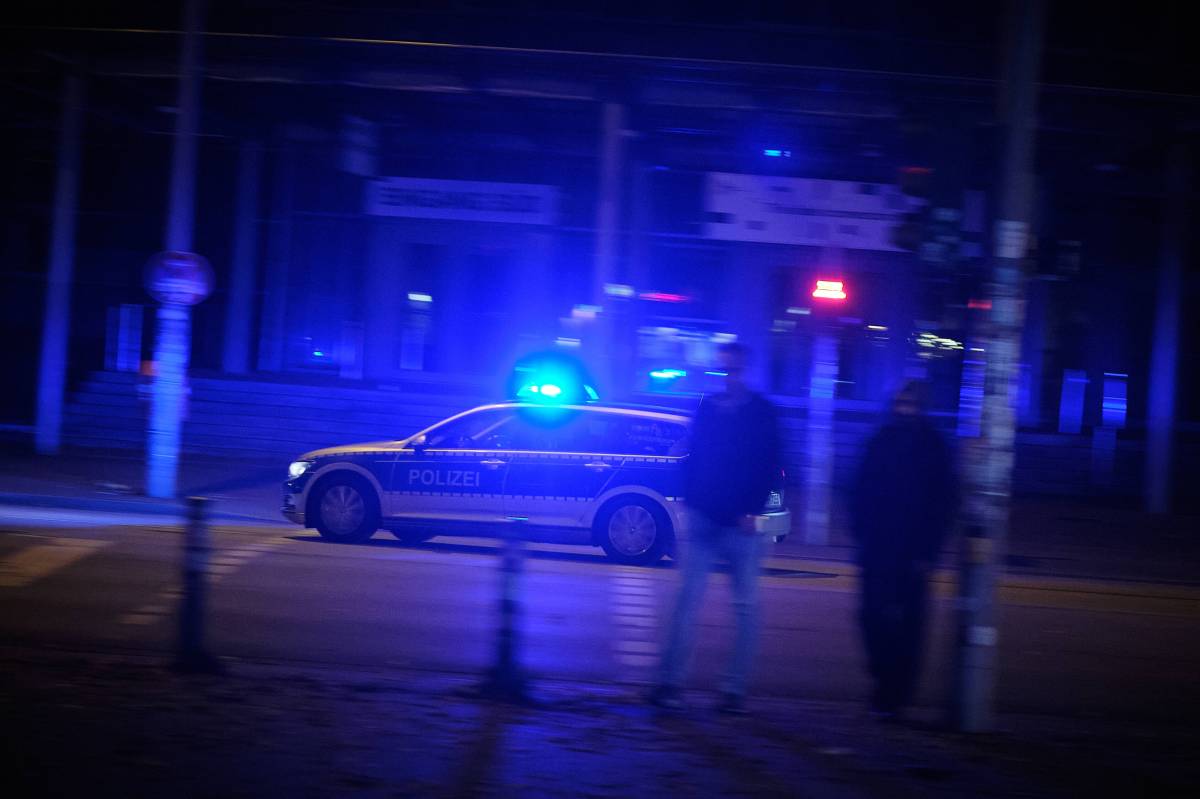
point(552, 378)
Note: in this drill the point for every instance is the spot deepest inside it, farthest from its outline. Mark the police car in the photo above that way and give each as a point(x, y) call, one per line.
point(605, 475)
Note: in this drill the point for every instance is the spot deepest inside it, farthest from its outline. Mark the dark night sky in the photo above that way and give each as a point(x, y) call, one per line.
point(1088, 43)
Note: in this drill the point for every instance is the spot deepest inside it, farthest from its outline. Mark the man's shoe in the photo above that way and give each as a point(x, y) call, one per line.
point(665, 698)
point(732, 705)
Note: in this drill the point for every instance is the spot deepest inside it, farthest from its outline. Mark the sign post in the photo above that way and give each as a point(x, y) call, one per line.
point(177, 280)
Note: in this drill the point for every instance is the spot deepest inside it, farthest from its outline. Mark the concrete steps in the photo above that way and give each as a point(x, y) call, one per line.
point(259, 418)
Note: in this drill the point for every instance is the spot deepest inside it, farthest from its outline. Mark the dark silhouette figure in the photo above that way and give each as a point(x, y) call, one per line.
point(905, 497)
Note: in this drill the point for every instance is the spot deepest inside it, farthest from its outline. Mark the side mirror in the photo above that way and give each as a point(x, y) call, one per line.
point(418, 443)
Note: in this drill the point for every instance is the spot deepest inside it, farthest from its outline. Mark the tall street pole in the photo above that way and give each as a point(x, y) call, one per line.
point(173, 343)
point(56, 326)
point(989, 458)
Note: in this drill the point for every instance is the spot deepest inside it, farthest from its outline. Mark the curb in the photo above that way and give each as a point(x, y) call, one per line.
point(175, 508)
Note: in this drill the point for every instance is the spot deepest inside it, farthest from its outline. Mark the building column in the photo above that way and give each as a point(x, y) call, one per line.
point(273, 331)
point(608, 362)
point(747, 307)
point(56, 326)
point(1033, 348)
point(1164, 355)
point(384, 299)
point(456, 325)
point(236, 355)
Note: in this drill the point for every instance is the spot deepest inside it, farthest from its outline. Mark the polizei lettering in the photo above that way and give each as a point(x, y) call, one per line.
point(449, 478)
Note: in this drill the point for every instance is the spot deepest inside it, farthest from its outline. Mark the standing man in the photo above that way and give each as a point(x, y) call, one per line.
point(734, 463)
point(905, 496)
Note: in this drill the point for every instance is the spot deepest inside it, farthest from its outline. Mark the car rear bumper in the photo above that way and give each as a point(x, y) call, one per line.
point(776, 525)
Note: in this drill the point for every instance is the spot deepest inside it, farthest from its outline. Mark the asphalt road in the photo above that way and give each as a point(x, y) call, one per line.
point(78, 580)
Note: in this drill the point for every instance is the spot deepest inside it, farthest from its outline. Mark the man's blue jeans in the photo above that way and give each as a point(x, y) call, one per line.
point(706, 543)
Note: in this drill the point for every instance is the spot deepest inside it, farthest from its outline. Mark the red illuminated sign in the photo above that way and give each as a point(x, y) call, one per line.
point(830, 290)
point(662, 296)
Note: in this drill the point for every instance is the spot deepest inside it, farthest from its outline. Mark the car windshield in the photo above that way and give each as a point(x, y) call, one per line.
point(479, 430)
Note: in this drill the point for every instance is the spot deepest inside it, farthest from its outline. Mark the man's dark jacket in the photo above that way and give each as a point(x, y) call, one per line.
point(735, 457)
point(905, 495)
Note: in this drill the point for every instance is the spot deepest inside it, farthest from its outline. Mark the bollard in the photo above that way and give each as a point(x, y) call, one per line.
point(506, 681)
point(192, 658)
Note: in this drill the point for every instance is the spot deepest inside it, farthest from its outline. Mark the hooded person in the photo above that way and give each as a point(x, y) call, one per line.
point(904, 501)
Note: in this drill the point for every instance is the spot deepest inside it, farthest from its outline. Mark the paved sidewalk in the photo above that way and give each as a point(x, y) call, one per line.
point(242, 490)
point(125, 725)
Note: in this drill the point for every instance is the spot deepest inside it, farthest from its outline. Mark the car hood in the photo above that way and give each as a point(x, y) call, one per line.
point(351, 449)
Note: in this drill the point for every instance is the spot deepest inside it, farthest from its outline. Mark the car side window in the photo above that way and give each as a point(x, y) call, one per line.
point(634, 435)
point(482, 430)
point(656, 437)
point(534, 435)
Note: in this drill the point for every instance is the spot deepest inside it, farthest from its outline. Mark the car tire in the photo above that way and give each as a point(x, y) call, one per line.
point(634, 531)
point(346, 509)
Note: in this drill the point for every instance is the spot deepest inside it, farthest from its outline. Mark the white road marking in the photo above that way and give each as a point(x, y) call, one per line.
point(643, 647)
point(28, 565)
point(221, 564)
point(635, 613)
point(635, 601)
point(635, 590)
point(637, 661)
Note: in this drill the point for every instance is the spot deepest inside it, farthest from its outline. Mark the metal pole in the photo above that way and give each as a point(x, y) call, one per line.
point(818, 482)
point(1164, 356)
point(173, 344)
point(56, 326)
point(506, 680)
point(236, 356)
point(192, 655)
point(990, 457)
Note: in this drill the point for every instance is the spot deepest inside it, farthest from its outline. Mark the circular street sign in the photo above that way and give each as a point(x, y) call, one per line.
point(178, 278)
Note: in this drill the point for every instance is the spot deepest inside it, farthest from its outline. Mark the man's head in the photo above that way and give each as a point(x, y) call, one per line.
point(909, 400)
point(731, 359)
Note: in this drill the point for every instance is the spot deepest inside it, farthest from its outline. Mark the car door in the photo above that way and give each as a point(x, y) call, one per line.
point(456, 475)
point(556, 469)
point(654, 448)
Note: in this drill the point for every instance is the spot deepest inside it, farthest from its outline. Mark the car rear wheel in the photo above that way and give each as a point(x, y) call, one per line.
point(347, 510)
point(634, 531)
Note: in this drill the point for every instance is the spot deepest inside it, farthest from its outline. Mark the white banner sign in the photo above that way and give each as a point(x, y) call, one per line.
point(818, 213)
point(467, 200)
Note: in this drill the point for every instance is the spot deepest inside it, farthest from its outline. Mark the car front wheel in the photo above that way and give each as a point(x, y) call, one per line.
point(347, 510)
point(634, 531)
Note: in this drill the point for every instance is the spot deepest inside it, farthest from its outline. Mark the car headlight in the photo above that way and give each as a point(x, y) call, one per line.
point(297, 468)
